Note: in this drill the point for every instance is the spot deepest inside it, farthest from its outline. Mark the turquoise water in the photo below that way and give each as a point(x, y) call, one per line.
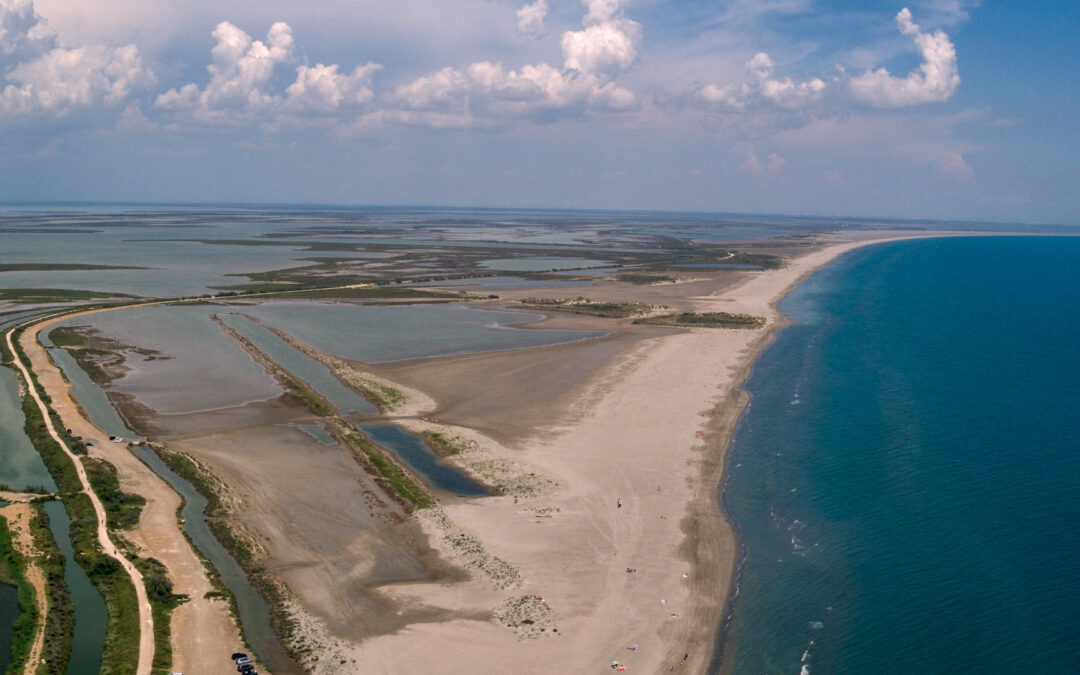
point(904, 480)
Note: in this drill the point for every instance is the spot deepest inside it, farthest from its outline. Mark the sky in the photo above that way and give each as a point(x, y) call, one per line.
point(924, 109)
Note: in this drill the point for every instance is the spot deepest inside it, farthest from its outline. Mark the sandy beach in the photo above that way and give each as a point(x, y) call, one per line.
point(635, 462)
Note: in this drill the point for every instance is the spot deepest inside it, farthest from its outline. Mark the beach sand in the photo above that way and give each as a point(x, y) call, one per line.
point(634, 458)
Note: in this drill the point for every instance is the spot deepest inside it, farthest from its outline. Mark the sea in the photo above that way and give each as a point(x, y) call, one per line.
point(904, 481)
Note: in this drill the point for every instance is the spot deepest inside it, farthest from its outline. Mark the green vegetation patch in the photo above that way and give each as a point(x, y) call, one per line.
point(705, 320)
point(122, 509)
point(28, 295)
point(382, 396)
point(60, 621)
point(13, 573)
point(56, 460)
point(159, 590)
point(67, 336)
point(311, 398)
point(99, 357)
point(613, 310)
point(765, 261)
point(389, 474)
point(121, 654)
point(646, 278)
point(445, 445)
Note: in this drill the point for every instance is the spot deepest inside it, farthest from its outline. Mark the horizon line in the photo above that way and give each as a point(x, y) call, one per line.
point(347, 207)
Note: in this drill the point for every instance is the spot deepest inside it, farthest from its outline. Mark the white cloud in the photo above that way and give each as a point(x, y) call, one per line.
point(763, 90)
point(487, 93)
point(601, 11)
point(446, 89)
point(608, 43)
point(530, 19)
point(935, 80)
point(242, 77)
point(324, 88)
point(761, 66)
point(787, 94)
point(239, 73)
point(23, 33)
point(41, 76)
point(726, 96)
point(600, 49)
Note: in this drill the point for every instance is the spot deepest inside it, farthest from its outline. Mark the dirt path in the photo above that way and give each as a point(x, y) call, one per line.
point(38, 358)
point(203, 630)
point(18, 517)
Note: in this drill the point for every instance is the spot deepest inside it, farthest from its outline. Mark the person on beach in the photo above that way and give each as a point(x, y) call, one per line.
point(618, 503)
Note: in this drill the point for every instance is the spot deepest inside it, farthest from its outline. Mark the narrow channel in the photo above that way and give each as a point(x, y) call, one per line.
point(412, 451)
point(91, 615)
point(89, 396)
point(253, 610)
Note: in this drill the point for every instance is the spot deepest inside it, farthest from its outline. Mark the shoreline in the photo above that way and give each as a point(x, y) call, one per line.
point(573, 546)
point(739, 403)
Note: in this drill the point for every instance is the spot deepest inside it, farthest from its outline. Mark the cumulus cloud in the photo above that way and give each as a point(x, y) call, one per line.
point(23, 33)
point(607, 44)
point(446, 89)
point(242, 75)
point(324, 88)
point(601, 49)
point(934, 81)
point(239, 73)
point(530, 19)
point(763, 89)
point(592, 58)
point(42, 77)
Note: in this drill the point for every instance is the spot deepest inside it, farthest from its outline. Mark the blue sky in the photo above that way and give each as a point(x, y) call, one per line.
point(946, 109)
